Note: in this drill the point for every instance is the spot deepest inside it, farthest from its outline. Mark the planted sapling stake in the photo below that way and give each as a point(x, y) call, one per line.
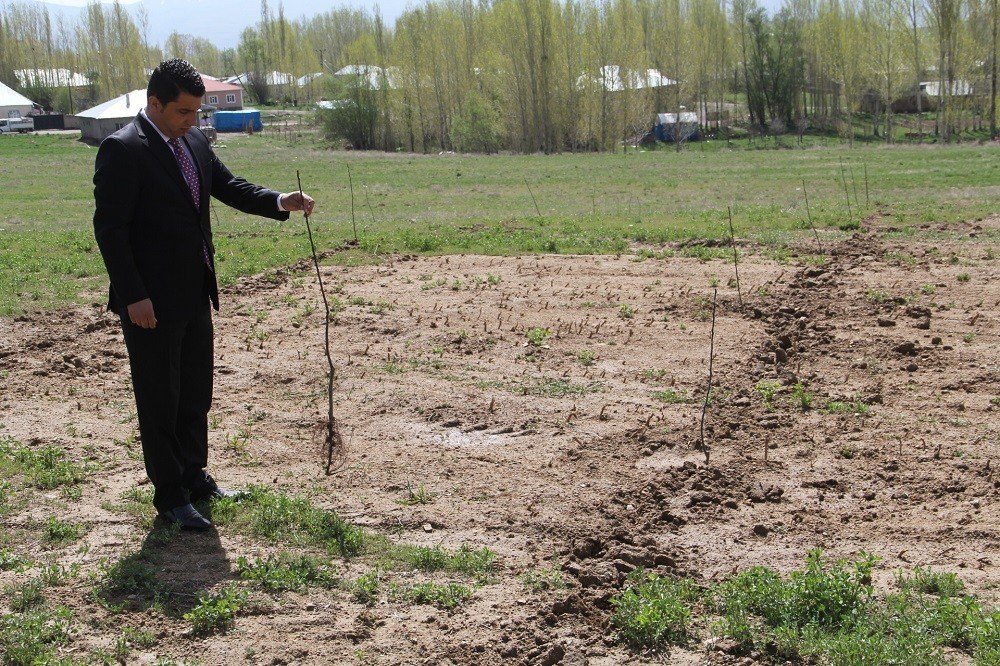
point(333, 442)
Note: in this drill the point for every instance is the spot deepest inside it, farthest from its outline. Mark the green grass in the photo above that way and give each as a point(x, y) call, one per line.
point(479, 563)
point(216, 613)
point(278, 518)
point(33, 637)
point(540, 580)
point(285, 571)
point(672, 396)
point(60, 532)
point(826, 613)
point(44, 468)
point(926, 581)
point(448, 595)
point(11, 561)
point(468, 203)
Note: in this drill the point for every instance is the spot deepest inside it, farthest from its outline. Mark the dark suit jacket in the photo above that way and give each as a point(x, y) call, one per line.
point(147, 227)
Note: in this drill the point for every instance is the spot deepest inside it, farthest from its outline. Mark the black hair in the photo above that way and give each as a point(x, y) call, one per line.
point(171, 77)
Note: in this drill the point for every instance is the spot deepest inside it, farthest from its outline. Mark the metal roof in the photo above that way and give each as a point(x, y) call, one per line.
point(612, 79)
point(50, 78)
point(10, 97)
point(125, 106)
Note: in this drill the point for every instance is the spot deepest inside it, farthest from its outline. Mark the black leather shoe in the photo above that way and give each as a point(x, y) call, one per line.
point(209, 490)
point(187, 517)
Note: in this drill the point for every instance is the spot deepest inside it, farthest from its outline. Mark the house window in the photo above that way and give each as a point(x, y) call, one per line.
point(230, 98)
point(214, 99)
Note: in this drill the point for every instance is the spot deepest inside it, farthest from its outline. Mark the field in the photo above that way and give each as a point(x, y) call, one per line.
point(586, 203)
point(521, 392)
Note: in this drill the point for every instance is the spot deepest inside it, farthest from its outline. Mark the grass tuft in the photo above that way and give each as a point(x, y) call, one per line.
point(216, 613)
point(653, 611)
point(286, 572)
point(278, 518)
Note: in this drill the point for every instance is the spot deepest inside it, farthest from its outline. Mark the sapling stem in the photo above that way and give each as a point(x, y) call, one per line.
point(736, 260)
point(350, 183)
point(868, 201)
point(537, 212)
point(810, 217)
point(847, 194)
point(333, 441)
point(708, 390)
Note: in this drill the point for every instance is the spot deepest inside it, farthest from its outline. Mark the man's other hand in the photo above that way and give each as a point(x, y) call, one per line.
point(292, 201)
point(141, 314)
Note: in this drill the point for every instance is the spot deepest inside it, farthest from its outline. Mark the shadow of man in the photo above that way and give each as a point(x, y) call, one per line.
point(168, 573)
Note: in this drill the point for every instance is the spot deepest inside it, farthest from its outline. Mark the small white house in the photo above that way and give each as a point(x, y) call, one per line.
point(105, 119)
point(13, 103)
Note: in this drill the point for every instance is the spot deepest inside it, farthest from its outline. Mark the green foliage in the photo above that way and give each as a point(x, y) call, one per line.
point(353, 118)
point(537, 336)
point(286, 572)
point(539, 580)
point(480, 563)
point(828, 613)
point(626, 311)
point(877, 295)
point(53, 260)
point(831, 595)
point(131, 581)
point(802, 398)
point(767, 390)
point(672, 396)
point(216, 613)
point(367, 587)
point(31, 638)
point(11, 561)
point(419, 496)
point(278, 518)
point(448, 595)
point(926, 581)
point(59, 532)
point(556, 388)
point(45, 468)
point(653, 610)
point(840, 407)
point(586, 357)
point(24, 596)
point(987, 651)
point(477, 127)
point(131, 638)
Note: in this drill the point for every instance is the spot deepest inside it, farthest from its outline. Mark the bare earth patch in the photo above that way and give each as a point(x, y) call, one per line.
point(545, 408)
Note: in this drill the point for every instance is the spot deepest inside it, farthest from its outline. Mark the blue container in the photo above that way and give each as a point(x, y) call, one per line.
point(238, 121)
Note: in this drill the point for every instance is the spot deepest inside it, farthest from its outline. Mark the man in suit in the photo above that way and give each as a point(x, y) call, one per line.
point(152, 183)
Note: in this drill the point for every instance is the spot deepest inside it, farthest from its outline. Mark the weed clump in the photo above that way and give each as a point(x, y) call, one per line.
point(286, 572)
point(45, 468)
point(276, 517)
point(653, 610)
point(216, 613)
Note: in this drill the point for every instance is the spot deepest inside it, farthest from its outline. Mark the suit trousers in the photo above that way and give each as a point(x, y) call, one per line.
point(172, 367)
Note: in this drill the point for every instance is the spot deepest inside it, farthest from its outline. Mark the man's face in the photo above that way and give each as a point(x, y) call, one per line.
point(175, 118)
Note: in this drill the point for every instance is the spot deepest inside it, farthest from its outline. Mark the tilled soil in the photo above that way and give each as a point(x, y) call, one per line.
point(577, 448)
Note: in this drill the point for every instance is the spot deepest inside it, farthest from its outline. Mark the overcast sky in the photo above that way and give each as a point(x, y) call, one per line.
point(224, 20)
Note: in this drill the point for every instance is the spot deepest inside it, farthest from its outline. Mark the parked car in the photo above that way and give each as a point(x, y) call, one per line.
point(16, 124)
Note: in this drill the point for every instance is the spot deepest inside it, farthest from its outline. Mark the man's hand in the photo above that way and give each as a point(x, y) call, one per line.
point(141, 314)
point(292, 201)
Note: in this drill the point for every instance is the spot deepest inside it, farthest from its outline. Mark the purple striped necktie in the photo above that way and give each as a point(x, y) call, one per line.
point(194, 185)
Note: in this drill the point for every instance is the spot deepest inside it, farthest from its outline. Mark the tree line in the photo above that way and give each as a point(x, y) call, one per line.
point(554, 75)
